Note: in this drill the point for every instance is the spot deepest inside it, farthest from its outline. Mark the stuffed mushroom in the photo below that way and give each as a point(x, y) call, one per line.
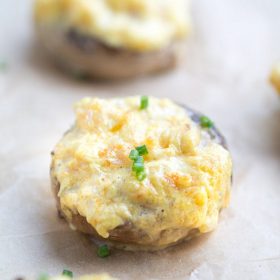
point(112, 39)
point(141, 173)
point(275, 77)
point(69, 275)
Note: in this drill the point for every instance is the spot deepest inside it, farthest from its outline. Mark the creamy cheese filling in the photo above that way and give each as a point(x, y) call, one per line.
point(187, 183)
point(140, 25)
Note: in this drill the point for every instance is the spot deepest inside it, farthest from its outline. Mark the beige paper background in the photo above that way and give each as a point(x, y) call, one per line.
point(229, 56)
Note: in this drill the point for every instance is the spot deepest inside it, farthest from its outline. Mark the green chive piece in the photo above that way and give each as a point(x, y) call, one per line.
point(205, 122)
point(68, 273)
point(3, 66)
point(138, 162)
point(144, 102)
point(139, 159)
point(79, 75)
point(43, 276)
point(133, 155)
point(141, 175)
point(103, 251)
point(142, 150)
point(138, 166)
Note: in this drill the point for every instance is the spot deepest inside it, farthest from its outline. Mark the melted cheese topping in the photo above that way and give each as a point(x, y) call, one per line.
point(188, 177)
point(275, 77)
point(103, 276)
point(140, 25)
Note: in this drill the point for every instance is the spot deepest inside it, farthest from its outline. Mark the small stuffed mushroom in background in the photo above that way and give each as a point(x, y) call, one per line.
point(141, 173)
point(67, 275)
point(103, 276)
point(112, 39)
point(275, 77)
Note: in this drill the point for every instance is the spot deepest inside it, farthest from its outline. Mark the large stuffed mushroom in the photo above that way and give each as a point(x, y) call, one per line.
point(141, 173)
point(112, 39)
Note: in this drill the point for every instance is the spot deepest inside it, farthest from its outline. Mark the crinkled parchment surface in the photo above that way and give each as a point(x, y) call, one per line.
point(224, 75)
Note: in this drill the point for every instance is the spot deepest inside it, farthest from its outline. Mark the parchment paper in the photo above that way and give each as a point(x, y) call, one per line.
point(224, 75)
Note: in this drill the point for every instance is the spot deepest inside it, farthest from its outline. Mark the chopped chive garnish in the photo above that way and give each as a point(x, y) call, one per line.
point(133, 155)
point(43, 276)
point(79, 75)
point(68, 273)
point(205, 122)
point(141, 175)
point(103, 251)
point(138, 162)
point(142, 150)
point(138, 166)
point(144, 102)
point(139, 159)
point(3, 66)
